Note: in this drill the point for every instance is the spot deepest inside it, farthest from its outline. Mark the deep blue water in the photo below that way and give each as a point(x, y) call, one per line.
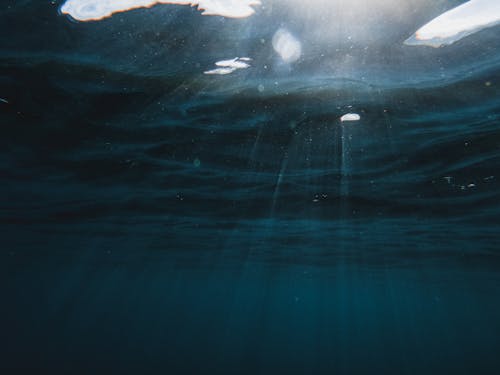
point(154, 219)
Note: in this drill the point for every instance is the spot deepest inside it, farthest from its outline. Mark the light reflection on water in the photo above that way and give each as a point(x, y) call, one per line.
point(95, 10)
point(457, 23)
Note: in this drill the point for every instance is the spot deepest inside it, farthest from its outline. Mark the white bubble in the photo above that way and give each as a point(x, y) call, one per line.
point(350, 117)
point(287, 46)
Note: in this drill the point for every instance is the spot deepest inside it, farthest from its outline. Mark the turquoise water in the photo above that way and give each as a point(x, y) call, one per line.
point(155, 219)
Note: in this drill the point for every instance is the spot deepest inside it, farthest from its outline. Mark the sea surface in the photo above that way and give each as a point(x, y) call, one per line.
point(158, 220)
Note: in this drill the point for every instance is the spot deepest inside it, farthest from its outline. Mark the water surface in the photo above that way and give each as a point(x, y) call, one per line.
point(156, 219)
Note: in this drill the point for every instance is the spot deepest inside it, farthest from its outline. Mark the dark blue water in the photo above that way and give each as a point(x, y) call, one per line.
point(154, 219)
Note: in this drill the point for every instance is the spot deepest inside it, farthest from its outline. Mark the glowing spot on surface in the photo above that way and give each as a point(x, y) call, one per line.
point(94, 10)
point(230, 66)
point(4, 101)
point(287, 46)
point(458, 23)
point(350, 117)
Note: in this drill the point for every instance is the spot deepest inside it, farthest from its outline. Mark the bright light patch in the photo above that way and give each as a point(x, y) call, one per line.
point(287, 46)
point(230, 66)
point(94, 10)
point(458, 23)
point(350, 117)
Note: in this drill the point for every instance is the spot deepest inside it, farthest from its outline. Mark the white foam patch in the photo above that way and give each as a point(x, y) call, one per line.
point(230, 66)
point(458, 23)
point(94, 10)
point(350, 117)
point(287, 46)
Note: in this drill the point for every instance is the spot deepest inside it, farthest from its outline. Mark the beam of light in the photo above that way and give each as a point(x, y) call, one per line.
point(94, 10)
point(230, 66)
point(458, 23)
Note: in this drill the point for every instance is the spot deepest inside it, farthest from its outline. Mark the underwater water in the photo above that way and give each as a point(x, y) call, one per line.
point(161, 215)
